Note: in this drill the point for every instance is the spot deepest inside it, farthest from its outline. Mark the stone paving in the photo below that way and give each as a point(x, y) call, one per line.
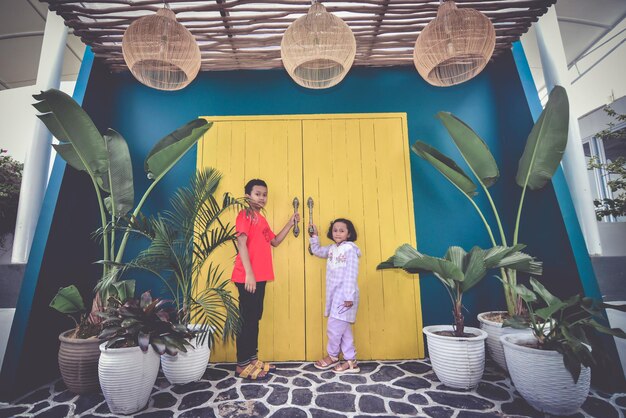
point(390, 388)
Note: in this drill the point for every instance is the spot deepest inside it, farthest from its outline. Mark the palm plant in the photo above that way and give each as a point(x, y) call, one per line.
point(459, 270)
point(182, 240)
point(543, 153)
point(106, 159)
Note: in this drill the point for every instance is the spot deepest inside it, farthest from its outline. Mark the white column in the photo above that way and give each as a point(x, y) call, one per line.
point(574, 164)
point(37, 159)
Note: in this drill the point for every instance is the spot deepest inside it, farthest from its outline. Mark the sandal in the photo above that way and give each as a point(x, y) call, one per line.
point(266, 367)
point(251, 372)
point(326, 363)
point(349, 366)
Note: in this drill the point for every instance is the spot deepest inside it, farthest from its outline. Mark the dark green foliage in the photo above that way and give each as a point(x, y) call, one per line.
point(567, 326)
point(10, 181)
point(616, 169)
point(144, 322)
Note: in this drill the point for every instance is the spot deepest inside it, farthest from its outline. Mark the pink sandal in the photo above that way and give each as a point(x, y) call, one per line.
point(349, 366)
point(323, 364)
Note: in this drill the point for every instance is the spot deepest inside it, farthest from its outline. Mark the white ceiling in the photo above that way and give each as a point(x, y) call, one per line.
point(22, 23)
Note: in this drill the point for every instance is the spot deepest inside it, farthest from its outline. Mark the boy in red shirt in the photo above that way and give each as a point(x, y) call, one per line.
point(253, 268)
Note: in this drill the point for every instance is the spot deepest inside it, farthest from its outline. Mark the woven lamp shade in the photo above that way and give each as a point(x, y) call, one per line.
point(455, 46)
point(318, 49)
point(160, 52)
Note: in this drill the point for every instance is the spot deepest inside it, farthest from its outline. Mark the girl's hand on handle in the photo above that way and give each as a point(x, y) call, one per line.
point(313, 230)
point(250, 284)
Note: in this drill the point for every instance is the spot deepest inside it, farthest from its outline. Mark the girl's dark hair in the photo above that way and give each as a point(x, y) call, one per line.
point(252, 183)
point(349, 224)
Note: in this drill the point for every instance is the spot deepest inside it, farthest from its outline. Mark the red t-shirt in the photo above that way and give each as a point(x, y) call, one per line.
point(259, 246)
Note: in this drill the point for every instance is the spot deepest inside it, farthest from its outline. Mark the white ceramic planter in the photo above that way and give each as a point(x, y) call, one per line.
point(187, 367)
point(617, 319)
point(458, 362)
point(127, 376)
point(494, 331)
point(542, 379)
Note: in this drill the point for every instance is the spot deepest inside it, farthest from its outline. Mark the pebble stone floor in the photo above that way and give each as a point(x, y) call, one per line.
point(389, 388)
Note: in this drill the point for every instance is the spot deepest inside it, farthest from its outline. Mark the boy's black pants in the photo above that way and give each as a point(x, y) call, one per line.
point(251, 311)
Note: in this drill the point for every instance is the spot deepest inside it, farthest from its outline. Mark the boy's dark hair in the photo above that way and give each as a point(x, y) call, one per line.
point(349, 224)
point(252, 183)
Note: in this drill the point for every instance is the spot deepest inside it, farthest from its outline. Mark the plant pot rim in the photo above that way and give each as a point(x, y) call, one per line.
point(481, 318)
point(122, 350)
point(91, 340)
point(524, 338)
point(430, 330)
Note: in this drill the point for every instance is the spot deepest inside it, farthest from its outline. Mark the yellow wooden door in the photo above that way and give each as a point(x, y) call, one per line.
point(243, 149)
point(357, 167)
point(353, 166)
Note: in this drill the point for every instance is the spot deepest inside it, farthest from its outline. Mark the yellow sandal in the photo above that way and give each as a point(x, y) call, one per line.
point(251, 372)
point(266, 367)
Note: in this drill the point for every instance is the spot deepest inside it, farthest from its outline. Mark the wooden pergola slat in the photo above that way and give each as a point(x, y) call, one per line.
point(246, 34)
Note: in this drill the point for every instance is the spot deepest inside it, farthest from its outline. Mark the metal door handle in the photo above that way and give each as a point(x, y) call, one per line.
point(309, 203)
point(296, 228)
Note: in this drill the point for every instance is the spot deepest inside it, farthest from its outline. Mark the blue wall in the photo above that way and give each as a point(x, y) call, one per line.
point(493, 103)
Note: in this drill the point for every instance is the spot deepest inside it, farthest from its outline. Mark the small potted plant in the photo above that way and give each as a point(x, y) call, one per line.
point(182, 240)
point(551, 367)
point(138, 332)
point(459, 271)
point(78, 352)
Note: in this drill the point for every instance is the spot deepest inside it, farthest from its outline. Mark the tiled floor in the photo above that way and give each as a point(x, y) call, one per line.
point(405, 388)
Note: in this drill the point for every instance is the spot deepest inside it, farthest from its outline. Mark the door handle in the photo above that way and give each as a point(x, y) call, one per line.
point(296, 228)
point(309, 203)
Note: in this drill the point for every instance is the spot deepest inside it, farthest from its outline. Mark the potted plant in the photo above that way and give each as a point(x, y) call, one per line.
point(79, 350)
point(551, 367)
point(138, 331)
point(182, 240)
point(457, 352)
point(543, 153)
point(107, 162)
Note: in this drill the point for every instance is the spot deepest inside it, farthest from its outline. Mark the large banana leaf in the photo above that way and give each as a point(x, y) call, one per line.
point(546, 143)
point(121, 172)
point(472, 147)
point(70, 124)
point(446, 166)
point(172, 147)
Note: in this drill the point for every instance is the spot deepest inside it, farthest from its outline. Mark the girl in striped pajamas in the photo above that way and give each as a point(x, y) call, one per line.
point(342, 294)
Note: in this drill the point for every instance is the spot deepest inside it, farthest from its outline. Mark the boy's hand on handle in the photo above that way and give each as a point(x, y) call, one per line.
point(295, 218)
point(250, 284)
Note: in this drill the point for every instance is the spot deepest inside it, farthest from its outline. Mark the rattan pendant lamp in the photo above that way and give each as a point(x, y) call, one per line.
point(318, 49)
point(455, 46)
point(160, 52)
